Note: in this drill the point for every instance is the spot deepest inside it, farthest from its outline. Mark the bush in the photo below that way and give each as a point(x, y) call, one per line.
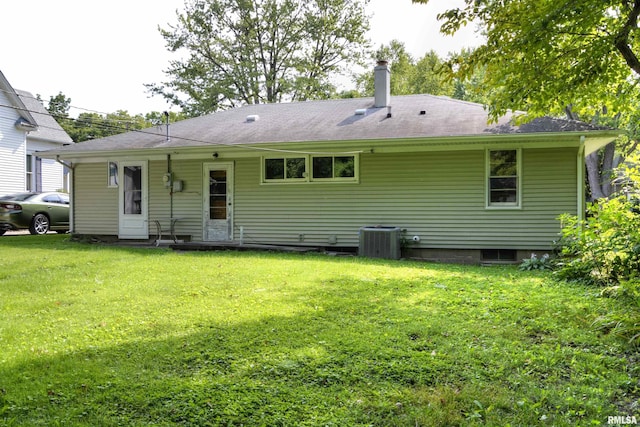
point(535, 263)
point(604, 249)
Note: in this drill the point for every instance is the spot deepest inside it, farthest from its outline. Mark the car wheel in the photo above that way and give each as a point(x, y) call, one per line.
point(39, 224)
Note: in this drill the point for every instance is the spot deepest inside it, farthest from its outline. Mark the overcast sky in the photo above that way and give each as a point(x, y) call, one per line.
point(100, 54)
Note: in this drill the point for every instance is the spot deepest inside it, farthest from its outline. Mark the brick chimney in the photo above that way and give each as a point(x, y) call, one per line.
point(382, 84)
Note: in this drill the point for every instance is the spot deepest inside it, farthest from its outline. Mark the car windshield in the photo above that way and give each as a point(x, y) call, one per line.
point(20, 197)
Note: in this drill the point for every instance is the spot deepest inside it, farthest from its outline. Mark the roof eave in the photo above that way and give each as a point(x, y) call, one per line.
point(19, 106)
point(591, 139)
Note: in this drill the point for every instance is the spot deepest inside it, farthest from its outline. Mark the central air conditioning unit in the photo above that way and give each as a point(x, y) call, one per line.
point(380, 242)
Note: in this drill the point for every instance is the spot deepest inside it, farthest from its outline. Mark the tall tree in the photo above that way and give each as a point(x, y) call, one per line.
point(247, 52)
point(408, 75)
point(545, 55)
point(58, 106)
point(574, 57)
point(471, 87)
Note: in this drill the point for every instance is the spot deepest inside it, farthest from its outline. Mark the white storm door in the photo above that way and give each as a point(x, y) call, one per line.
point(218, 202)
point(133, 200)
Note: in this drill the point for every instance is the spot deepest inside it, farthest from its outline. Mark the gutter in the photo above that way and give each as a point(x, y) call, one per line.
point(71, 166)
point(384, 145)
point(25, 126)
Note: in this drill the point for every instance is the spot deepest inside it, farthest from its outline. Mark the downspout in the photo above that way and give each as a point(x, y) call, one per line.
point(170, 187)
point(581, 169)
point(168, 138)
point(72, 204)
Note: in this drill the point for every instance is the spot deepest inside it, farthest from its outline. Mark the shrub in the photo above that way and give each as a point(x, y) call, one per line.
point(603, 249)
point(535, 263)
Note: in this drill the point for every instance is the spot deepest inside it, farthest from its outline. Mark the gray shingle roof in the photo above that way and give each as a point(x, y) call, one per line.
point(413, 116)
point(48, 128)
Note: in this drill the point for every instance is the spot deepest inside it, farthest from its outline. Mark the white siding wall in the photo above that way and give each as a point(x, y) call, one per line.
point(12, 150)
point(52, 171)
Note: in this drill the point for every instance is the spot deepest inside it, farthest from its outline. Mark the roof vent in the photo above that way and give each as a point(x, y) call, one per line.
point(253, 118)
point(361, 111)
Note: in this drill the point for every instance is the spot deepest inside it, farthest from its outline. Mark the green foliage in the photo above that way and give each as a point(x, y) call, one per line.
point(93, 125)
point(604, 248)
point(89, 125)
point(238, 52)
point(535, 263)
point(408, 75)
point(470, 87)
point(625, 324)
point(99, 335)
point(58, 106)
point(542, 56)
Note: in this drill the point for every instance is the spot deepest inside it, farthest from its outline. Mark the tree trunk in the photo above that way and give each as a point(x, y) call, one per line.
point(593, 176)
point(600, 164)
point(607, 168)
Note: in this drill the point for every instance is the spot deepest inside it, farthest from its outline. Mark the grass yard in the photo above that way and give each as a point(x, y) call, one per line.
point(105, 336)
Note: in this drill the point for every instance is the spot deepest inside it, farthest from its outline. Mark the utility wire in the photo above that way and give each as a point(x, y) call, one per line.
point(108, 126)
point(70, 106)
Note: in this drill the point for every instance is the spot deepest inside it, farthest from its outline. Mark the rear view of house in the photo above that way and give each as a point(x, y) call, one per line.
point(25, 128)
point(330, 173)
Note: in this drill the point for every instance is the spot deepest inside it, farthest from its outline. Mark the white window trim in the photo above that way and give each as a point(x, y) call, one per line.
point(487, 176)
point(30, 172)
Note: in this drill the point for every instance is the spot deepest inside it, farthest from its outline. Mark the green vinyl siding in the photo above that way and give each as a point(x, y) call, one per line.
point(95, 205)
point(187, 204)
point(439, 196)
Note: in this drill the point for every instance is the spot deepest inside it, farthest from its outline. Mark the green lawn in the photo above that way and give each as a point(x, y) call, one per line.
point(100, 336)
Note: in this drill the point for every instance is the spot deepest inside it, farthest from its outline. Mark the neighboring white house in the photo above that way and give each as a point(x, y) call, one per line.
point(27, 127)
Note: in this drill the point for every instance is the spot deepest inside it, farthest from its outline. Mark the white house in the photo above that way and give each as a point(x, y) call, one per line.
point(27, 127)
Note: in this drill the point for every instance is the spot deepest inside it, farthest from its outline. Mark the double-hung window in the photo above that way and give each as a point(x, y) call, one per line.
point(503, 178)
point(33, 171)
point(29, 174)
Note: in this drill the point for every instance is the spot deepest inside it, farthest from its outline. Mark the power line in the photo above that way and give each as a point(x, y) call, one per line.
point(108, 126)
point(70, 106)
